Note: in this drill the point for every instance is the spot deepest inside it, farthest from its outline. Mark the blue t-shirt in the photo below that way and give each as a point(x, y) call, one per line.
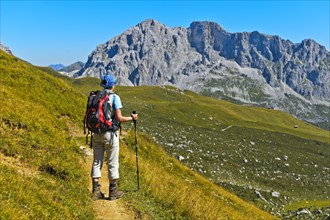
point(117, 102)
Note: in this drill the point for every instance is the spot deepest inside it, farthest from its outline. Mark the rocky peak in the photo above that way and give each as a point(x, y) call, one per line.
point(204, 35)
point(151, 25)
point(311, 52)
point(73, 67)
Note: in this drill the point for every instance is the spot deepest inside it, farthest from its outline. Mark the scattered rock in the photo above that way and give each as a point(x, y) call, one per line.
point(285, 158)
point(303, 211)
point(85, 151)
point(317, 211)
point(260, 196)
point(275, 194)
point(180, 158)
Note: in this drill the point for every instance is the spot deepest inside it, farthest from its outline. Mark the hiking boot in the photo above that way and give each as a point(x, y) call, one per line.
point(114, 193)
point(97, 194)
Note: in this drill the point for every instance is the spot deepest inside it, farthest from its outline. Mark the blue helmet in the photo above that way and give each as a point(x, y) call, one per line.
point(108, 81)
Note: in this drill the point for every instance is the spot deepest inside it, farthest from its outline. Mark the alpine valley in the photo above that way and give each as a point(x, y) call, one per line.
point(248, 68)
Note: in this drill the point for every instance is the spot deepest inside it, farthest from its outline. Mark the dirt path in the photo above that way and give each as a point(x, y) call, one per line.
point(106, 209)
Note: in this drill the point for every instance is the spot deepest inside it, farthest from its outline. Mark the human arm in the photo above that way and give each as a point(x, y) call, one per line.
point(119, 117)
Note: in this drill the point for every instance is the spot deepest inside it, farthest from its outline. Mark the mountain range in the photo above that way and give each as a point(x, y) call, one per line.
point(57, 66)
point(248, 68)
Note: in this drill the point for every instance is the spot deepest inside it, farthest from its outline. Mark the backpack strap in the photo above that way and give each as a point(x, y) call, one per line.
point(111, 97)
point(91, 145)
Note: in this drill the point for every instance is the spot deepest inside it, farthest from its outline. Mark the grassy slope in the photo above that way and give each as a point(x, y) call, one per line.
point(41, 166)
point(41, 174)
point(193, 107)
point(84, 85)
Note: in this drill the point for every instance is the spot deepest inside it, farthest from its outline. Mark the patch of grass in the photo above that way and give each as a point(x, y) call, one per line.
point(42, 178)
point(166, 104)
point(308, 204)
point(254, 93)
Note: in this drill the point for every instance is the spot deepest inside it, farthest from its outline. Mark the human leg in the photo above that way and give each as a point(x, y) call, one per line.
point(98, 155)
point(112, 149)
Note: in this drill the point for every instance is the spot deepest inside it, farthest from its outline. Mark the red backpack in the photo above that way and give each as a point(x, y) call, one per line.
point(98, 113)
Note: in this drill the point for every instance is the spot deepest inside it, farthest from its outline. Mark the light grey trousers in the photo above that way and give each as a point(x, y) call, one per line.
point(106, 142)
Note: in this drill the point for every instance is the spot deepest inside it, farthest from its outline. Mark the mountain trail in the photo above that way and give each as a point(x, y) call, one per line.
point(106, 209)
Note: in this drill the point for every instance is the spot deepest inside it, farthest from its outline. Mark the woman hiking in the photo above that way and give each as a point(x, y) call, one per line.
point(108, 142)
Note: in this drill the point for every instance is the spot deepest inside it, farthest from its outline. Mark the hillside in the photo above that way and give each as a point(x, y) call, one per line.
point(41, 175)
point(43, 171)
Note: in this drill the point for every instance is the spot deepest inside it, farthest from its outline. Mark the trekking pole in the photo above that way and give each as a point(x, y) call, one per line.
point(137, 154)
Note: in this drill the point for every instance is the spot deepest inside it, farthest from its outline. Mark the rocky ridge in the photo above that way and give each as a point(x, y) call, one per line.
point(71, 69)
point(249, 67)
point(5, 48)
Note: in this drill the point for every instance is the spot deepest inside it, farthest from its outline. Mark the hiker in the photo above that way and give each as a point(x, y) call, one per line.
point(108, 142)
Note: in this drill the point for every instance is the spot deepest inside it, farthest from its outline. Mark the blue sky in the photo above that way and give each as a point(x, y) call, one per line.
point(49, 32)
